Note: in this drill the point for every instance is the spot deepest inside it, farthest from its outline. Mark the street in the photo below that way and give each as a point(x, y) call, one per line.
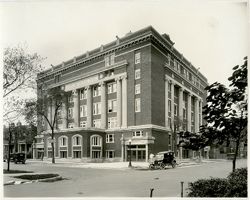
point(89, 182)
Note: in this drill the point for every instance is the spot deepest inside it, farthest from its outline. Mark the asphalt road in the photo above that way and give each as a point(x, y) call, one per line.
point(84, 182)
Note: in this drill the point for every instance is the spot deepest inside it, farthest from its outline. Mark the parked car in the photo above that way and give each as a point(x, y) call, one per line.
point(19, 158)
point(163, 159)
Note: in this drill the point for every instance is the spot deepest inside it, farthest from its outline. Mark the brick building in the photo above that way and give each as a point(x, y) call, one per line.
point(130, 93)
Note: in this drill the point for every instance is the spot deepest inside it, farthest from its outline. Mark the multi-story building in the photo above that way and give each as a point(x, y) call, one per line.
point(129, 94)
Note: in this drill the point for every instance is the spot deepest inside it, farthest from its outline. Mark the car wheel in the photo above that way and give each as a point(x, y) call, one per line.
point(173, 164)
point(151, 166)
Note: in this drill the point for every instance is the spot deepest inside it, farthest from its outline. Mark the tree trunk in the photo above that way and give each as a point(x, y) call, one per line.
point(52, 145)
point(53, 150)
point(236, 153)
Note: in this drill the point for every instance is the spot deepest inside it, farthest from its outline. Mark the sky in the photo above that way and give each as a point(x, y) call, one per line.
point(211, 35)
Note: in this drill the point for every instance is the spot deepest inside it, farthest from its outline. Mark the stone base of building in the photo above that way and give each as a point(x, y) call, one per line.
point(108, 146)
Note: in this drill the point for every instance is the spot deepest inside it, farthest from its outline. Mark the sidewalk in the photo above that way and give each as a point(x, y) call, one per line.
point(116, 165)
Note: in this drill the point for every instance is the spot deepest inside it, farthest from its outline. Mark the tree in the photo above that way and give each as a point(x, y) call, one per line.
point(226, 110)
point(192, 141)
point(39, 108)
point(19, 73)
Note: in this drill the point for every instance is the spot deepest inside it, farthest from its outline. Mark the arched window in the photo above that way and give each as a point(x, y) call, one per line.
point(63, 146)
point(96, 146)
point(77, 146)
point(77, 140)
point(63, 141)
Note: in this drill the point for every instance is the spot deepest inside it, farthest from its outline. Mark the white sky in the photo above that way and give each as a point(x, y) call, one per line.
point(213, 36)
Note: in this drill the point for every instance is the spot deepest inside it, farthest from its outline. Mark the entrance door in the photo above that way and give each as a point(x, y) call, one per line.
point(138, 153)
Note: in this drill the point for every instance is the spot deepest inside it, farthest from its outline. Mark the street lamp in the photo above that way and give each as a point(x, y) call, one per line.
point(130, 153)
point(11, 127)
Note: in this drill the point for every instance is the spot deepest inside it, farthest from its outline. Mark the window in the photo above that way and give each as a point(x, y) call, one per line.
point(169, 106)
point(57, 78)
point(77, 140)
point(137, 88)
point(137, 57)
point(112, 122)
point(138, 105)
point(184, 113)
point(169, 122)
point(175, 110)
point(111, 106)
point(175, 64)
point(168, 59)
point(110, 154)
point(96, 108)
point(111, 88)
point(70, 125)
point(96, 91)
point(70, 113)
point(138, 134)
point(110, 138)
point(83, 111)
point(49, 142)
point(137, 74)
point(169, 140)
point(106, 60)
point(97, 123)
point(83, 124)
point(70, 98)
point(63, 141)
point(112, 59)
point(96, 154)
point(192, 116)
point(83, 94)
point(76, 154)
point(109, 60)
point(59, 112)
point(96, 141)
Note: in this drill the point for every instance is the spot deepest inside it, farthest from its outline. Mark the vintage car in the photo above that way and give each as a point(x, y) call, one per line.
point(163, 159)
point(19, 158)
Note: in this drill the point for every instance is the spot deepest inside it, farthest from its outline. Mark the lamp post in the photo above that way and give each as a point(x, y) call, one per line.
point(130, 154)
point(11, 127)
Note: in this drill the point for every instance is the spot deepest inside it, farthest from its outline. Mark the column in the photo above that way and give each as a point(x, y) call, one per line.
point(124, 101)
point(64, 113)
point(189, 112)
point(200, 110)
point(76, 108)
point(53, 111)
point(196, 118)
point(119, 102)
point(89, 106)
point(172, 105)
point(146, 152)
point(181, 108)
point(122, 150)
point(166, 102)
point(103, 105)
point(49, 114)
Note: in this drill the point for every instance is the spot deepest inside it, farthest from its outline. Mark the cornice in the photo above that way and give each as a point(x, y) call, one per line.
point(149, 33)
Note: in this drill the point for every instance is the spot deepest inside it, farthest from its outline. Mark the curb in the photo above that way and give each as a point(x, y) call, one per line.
point(53, 179)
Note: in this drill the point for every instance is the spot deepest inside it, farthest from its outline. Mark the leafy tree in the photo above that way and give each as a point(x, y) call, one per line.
point(192, 141)
point(226, 110)
point(19, 73)
point(39, 108)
